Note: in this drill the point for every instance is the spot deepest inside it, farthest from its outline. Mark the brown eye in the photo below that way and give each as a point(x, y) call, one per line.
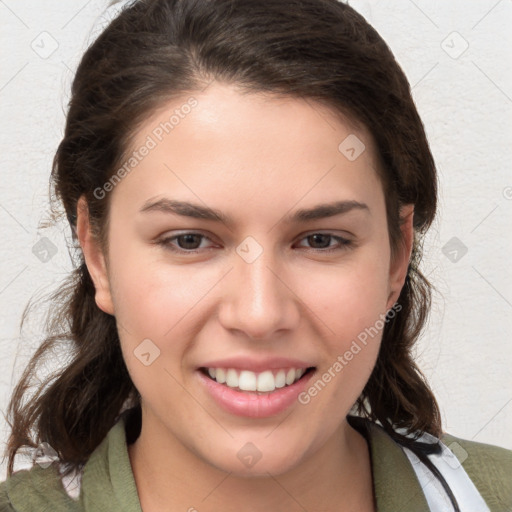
point(321, 242)
point(189, 241)
point(184, 243)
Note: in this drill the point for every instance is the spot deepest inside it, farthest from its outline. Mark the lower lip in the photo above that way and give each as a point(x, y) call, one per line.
point(250, 404)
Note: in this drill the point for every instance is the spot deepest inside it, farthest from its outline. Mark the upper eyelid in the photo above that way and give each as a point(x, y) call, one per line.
point(174, 236)
point(300, 237)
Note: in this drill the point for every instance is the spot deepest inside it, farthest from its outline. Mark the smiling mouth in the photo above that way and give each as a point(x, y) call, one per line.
point(258, 383)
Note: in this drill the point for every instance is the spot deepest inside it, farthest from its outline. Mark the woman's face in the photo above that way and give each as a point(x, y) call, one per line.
point(268, 289)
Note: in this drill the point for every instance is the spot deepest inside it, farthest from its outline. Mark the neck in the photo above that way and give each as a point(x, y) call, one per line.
point(171, 478)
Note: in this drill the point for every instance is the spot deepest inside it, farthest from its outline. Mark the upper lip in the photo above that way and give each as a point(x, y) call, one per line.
point(257, 365)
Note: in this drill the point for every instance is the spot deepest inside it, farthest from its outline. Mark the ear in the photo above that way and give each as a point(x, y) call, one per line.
point(400, 262)
point(94, 258)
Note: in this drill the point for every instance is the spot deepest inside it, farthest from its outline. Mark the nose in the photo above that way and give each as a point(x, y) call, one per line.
point(259, 298)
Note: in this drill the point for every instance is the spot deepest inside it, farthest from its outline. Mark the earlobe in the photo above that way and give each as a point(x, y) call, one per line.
point(400, 263)
point(94, 258)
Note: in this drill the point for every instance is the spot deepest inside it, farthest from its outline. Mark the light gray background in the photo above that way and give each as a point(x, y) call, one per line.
point(457, 57)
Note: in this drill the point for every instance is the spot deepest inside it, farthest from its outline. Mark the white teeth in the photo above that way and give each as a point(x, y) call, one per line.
point(290, 376)
point(247, 381)
point(280, 379)
point(220, 375)
point(265, 381)
point(232, 378)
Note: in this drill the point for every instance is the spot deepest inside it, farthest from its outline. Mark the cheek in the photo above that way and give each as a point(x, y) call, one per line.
point(167, 304)
point(352, 310)
point(152, 302)
point(351, 296)
point(351, 304)
point(154, 299)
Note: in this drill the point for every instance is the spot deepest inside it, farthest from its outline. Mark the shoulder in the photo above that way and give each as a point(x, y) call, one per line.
point(35, 489)
point(5, 504)
point(488, 466)
point(52, 487)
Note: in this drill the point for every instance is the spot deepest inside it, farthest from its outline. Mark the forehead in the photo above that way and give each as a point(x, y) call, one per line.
point(251, 149)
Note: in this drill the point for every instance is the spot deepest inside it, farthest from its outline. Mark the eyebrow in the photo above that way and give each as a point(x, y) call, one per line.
point(196, 211)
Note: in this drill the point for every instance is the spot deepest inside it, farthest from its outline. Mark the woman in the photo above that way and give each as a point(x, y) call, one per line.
point(248, 184)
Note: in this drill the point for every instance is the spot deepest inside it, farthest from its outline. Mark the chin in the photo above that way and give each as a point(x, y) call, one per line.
point(250, 462)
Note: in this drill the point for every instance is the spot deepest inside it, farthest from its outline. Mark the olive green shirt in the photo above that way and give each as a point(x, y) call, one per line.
point(108, 483)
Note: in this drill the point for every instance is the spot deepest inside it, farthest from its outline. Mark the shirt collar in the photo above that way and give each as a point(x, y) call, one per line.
point(108, 482)
point(395, 484)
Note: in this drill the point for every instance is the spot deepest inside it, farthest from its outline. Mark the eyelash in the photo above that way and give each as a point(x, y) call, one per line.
point(344, 243)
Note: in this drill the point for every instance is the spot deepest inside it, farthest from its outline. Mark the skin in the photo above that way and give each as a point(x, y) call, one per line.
point(256, 158)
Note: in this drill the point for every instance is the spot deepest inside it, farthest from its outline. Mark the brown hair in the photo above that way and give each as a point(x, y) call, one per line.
point(157, 50)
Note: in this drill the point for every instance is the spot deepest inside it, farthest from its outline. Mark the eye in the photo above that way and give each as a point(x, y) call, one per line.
point(191, 242)
point(324, 241)
point(187, 242)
